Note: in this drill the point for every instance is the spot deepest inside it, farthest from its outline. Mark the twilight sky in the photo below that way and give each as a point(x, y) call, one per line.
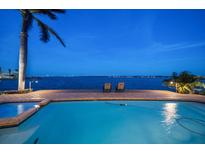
point(110, 42)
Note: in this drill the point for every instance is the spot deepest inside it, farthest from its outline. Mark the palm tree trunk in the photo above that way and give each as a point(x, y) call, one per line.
point(176, 87)
point(23, 55)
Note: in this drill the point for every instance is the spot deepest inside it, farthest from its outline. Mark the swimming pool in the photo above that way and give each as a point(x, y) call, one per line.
point(8, 110)
point(112, 122)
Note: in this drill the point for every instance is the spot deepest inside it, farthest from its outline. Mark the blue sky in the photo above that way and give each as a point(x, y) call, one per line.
point(110, 42)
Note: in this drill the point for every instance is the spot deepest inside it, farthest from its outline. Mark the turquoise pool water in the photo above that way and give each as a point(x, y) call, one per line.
point(112, 122)
point(8, 110)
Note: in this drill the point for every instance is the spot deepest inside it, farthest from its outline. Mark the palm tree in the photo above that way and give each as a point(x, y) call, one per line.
point(184, 82)
point(28, 16)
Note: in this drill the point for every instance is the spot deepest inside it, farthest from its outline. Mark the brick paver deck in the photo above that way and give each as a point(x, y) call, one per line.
point(63, 95)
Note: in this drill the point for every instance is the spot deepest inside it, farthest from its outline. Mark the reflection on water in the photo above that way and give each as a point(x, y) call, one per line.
point(20, 108)
point(169, 113)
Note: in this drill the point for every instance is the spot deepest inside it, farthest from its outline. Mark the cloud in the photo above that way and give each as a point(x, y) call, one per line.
point(172, 47)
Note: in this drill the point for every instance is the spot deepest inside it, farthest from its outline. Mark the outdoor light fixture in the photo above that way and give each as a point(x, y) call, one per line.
point(37, 106)
point(30, 84)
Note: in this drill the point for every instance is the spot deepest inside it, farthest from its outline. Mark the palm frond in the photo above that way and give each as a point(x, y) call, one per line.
point(29, 21)
point(21, 11)
point(27, 16)
point(44, 36)
point(58, 10)
point(45, 30)
point(49, 12)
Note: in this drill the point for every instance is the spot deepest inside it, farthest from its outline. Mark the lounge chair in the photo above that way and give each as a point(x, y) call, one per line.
point(107, 87)
point(120, 87)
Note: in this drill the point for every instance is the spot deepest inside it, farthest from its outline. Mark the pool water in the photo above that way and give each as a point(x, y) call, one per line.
point(8, 110)
point(112, 122)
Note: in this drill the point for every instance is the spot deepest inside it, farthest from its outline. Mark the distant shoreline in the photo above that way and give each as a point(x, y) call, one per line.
point(99, 76)
point(137, 76)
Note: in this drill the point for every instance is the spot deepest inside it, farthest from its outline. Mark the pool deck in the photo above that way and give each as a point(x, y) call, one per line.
point(83, 95)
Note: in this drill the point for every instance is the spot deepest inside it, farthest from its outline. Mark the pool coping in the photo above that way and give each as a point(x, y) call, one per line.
point(43, 97)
